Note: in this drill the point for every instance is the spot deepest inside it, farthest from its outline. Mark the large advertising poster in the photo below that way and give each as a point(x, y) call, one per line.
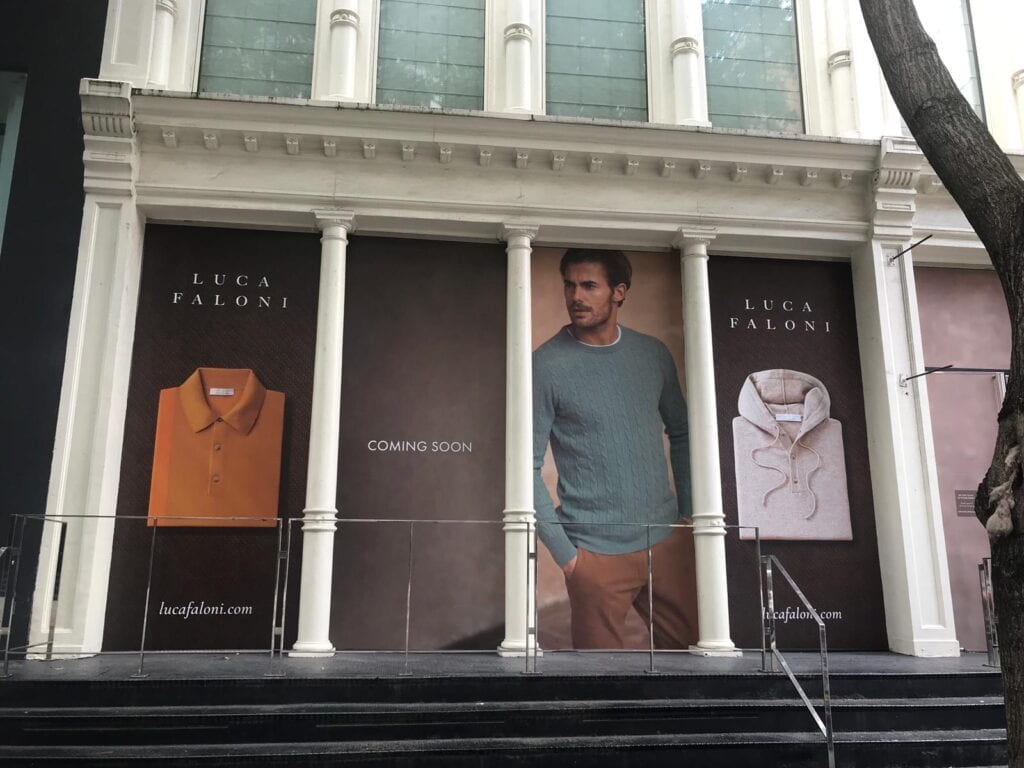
point(794, 447)
point(612, 408)
point(423, 438)
point(964, 403)
point(216, 436)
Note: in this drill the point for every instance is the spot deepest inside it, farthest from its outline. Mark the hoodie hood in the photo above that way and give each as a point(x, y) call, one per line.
point(773, 397)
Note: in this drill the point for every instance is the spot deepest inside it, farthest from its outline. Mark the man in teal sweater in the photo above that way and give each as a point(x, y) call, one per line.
point(603, 395)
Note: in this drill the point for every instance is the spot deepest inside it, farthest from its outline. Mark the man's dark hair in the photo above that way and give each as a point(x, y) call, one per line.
point(617, 268)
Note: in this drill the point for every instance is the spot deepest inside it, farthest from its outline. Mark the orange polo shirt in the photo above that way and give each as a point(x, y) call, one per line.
point(218, 451)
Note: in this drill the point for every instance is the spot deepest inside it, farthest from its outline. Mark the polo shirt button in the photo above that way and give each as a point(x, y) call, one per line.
point(216, 446)
point(219, 419)
point(215, 478)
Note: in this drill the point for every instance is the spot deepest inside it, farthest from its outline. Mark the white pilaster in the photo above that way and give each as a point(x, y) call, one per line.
point(84, 476)
point(519, 512)
point(320, 513)
point(344, 55)
point(840, 69)
point(514, 57)
point(676, 81)
point(908, 516)
point(153, 43)
point(705, 469)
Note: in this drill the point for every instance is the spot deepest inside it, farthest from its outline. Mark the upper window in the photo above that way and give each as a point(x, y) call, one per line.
point(949, 24)
point(258, 47)
point(596, 60)
point(753, 72)
point(12, 90)
point(431, 53)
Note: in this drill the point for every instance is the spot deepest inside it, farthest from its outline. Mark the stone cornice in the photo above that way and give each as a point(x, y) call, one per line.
point(620, 148)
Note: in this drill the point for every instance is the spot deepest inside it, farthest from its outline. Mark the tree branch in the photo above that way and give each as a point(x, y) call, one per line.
point(966, 158)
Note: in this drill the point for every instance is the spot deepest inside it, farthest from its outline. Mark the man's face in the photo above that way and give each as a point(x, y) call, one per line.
point(590, 300)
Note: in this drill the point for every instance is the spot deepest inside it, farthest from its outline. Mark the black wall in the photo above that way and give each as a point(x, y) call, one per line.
point(56, 44)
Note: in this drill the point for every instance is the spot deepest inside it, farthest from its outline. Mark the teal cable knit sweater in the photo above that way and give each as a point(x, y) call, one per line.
point(604, 408)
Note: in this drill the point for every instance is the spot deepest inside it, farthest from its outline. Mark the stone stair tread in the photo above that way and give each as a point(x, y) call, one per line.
point(518, 744)
point(318, 708)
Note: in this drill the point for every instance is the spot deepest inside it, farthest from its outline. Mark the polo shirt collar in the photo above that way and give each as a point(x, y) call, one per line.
point(200, 415)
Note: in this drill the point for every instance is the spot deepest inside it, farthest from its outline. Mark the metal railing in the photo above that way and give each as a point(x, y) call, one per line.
point(988, 607)
point(279, 549)
point(770, 651)
point(46, 648)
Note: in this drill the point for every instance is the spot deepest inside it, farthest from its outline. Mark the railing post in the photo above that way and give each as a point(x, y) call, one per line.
point(989, 611)
point(771, 612)
point(408, 600)
point(650, 600)
point(155, 521)
point(276, 630)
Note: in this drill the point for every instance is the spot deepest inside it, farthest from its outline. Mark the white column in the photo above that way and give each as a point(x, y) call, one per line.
point(840, 70)
point(518, 440)
point(163, 40)
point(705, 471)
point(345, 50)
point(318, 518)
point(687, 53)
point(344, 40)
point(85, 473)
point(513, 57)
point(518, 50)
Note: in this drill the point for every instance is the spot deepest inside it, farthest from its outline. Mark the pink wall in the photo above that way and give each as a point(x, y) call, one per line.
point(963, 322)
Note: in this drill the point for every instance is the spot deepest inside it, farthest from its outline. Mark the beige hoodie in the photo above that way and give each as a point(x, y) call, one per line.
point(790, 466)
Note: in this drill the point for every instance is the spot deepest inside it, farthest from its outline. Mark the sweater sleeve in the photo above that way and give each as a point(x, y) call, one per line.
point(550, 532)
point(672, 407)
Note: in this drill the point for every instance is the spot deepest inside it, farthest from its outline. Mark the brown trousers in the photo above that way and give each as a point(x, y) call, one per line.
point(602, 588)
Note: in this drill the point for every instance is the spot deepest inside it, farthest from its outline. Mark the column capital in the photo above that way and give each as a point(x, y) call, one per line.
point(694, 235)
point(684, 44)
point(345, 16)
point(518, 30)
point(334, 217)
point(171, 6)
point(839, 59)
point(529, 231)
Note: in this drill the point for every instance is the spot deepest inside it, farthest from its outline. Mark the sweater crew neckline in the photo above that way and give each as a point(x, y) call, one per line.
point(599, 349)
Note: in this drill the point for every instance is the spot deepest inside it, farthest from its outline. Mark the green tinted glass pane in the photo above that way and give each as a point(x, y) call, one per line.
point(258, 47)
point(753, 71)
point(596, 59)
point(431, 53)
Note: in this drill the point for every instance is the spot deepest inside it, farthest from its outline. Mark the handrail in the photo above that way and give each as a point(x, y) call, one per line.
point(988, 607)
point(770, 562)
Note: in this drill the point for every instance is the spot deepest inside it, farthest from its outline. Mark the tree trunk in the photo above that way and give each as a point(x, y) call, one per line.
point(983, 182)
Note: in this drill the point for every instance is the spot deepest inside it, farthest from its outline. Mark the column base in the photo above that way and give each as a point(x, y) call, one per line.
point(926, 648)
point(311, 650)
point(510, 650)
point(717, 648)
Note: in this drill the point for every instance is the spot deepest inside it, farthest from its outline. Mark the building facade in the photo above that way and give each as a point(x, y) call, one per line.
point(331, 193)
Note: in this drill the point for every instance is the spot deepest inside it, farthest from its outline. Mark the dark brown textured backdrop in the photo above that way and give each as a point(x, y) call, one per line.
point(424, 361)
point(835, 575)
point(230, 566)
